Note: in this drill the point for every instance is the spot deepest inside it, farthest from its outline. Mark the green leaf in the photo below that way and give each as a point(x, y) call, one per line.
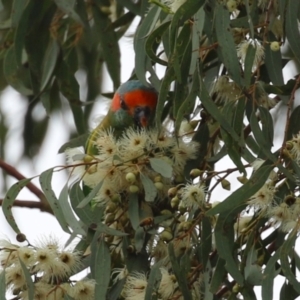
point(9, 200)
point(226, 43)
point(139, 239)
point(20, 35)
point(75, 224)
point(115, 291)
point(28, 279)
point(224, 236)
point(294, 125)
point(141, 58)
point(274, 65)
point(91, 195)
point(233, 151)
point(250, 55)
point(100, 266)
point(253, 272)
point(75, 142)
point(76, 196)
point(49, 63)
point(183, 13)
point(2, 285)
point(213, 110)
point(286, 249)
point(153, 283)
point(162, 95)
point(69, 87)
point(108, 40)
point(219, 275)
point(149, 188)
point(268, 277)
point(292, 27)
point(17, 11)
point(188, 103)
point(15, 75)
point(133, 210)
point(67, 6)
point(45, 182)
point(241, 195)
point(153, 42)
point(206, 240)
point(267, 125)
point(181, 276)
point(102, 228)
point(161, 166)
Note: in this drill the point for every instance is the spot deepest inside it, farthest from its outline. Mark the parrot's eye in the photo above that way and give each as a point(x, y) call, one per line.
point(123, 104)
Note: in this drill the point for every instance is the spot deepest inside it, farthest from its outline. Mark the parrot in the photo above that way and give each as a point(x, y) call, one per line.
point(133, 105)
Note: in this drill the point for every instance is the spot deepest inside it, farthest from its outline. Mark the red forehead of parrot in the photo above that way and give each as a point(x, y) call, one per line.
point(131, 100)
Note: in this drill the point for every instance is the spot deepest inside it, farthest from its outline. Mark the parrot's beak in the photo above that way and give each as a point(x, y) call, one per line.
point(142, 116)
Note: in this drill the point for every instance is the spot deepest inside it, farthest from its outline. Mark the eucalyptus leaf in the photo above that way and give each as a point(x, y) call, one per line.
point(2, 285)
point(161, 166)
point(149, 188)
point(28, 279)
point(73, 222)
point(91, 195)
point(46, 185)
point(100, 266)
point(9, 199)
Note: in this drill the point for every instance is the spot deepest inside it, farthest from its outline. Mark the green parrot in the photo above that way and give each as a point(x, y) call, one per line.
point(133, 105)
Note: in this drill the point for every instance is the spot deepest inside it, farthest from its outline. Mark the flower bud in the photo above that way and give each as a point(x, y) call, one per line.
point(184, 226)
point(242, 179)
point(130, 177)
point(231, 5)
point(157, 178)
point(134, 189)
point(172, 192)
point(275, 46)
point(195, 173)
point(110, 207)
point(174, 202)
point(21, 237)
point(159, 185)
point(166, 236)
point(225, 184)
point(88, 158)
point(116, 198)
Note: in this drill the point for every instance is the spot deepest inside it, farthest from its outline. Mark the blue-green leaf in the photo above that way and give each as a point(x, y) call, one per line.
point(133, 210)
point(226, 43)
point(100, 266)
point(292, 27)
point(9, 200)
point(49, 62)
point(90, 196)
point(45, 182)
point(149, 188)
point(28, 279)
point(76, 225)
point(161, 166)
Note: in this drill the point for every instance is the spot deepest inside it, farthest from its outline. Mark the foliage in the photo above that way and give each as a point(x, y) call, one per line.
point(150, 228)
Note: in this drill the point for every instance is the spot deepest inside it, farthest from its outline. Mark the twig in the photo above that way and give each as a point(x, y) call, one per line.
point(32, 187)
point(31, 204)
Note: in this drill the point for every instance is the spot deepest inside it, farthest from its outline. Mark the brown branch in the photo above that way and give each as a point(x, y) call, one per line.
point(31, 204)
point(32, 187)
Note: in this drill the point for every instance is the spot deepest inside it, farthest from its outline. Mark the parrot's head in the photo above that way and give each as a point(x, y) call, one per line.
point(134, 104)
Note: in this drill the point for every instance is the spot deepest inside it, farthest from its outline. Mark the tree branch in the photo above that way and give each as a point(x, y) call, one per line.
point(44, 205)
point(31, 204)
